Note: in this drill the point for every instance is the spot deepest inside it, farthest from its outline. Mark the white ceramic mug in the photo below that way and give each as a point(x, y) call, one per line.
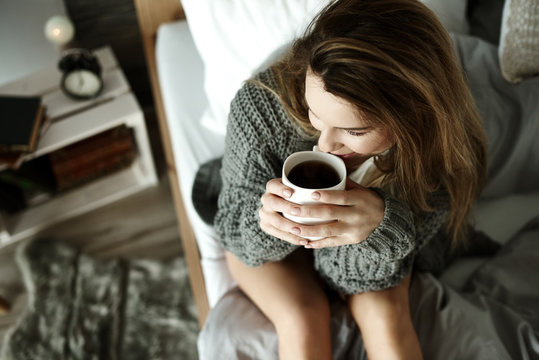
point(303, 195)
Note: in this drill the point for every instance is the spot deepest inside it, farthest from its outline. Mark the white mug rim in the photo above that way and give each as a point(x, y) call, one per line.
point(335, 162)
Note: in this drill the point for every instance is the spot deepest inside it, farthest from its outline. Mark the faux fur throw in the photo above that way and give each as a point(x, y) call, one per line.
point(83, 308)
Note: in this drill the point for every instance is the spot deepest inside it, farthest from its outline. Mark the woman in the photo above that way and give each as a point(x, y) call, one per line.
point(376, 83)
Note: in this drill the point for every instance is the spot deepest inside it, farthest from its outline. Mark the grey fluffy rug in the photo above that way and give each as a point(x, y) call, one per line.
point(84, 308)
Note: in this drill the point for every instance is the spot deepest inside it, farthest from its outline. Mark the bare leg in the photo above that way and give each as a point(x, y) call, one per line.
point(289, 293)
point(386, 324)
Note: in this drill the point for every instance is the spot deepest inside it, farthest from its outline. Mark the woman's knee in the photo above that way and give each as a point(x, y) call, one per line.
point(304, 318)
point(286, 291)
point(392, 303)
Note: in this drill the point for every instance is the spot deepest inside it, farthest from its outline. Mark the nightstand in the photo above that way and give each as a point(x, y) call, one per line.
point(72, 122)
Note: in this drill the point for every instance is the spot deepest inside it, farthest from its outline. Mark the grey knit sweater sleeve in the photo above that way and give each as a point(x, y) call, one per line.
point(259, 138)
point(386, 256)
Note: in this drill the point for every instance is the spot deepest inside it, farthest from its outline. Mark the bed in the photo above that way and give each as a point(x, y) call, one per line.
point(198, 53)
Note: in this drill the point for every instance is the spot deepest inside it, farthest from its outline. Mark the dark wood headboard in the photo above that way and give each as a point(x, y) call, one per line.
point(151, 14)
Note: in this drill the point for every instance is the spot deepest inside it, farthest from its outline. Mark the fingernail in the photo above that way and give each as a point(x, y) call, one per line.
point(315, 195)
point(308, 246)
point(287, 193)
point(295, 211)
point(303, 242)
point(295, 230)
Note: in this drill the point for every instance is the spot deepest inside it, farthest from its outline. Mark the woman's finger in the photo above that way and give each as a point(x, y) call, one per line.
point(277, 225)
point(283, 235)
point(337, 197)
point(276, 220)
point(360, 196)
point(325, 212)
point(276, 187)
point(277, 204)
point(326, 242)
point(269, 218)
point(332, 241)
point(332, 229)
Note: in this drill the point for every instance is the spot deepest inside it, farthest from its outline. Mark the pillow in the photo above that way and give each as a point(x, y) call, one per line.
point(510, 115)
point(234, 37)
point(519, 42)
point(452, 14)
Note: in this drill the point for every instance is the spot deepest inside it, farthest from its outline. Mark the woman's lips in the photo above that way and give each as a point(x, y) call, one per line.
point(345, 156)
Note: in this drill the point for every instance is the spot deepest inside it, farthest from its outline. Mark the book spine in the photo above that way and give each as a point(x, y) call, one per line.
point(111, 165)
point(74, 164)
point(98, 141)
point(94, 157)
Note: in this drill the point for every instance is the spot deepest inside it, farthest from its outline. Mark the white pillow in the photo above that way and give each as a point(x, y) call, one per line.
point(234, 37)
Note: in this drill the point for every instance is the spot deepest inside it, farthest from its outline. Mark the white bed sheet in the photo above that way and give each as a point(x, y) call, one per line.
point(181, 76)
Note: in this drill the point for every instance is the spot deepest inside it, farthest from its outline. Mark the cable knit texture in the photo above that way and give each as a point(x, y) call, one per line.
point(259, 138)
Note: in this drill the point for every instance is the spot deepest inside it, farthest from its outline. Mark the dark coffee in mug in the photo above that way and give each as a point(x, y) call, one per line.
point(313, 174)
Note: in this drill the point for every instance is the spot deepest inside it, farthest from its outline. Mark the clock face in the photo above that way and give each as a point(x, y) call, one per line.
point(82, 83)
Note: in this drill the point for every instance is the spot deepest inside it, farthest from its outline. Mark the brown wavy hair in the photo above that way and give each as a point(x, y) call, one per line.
point(394, 61)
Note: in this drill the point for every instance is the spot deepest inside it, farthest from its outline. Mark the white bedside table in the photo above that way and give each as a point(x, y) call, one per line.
point(73, 121)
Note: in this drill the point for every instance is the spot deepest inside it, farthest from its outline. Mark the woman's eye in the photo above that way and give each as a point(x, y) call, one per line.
point(355, 133)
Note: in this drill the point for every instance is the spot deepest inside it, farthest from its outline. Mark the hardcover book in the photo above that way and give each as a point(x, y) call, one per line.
point(93, 157)
point(20, 121)
point(14, 159)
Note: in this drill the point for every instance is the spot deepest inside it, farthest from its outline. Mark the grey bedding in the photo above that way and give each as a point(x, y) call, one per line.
point(511, 118)
point(495, 314)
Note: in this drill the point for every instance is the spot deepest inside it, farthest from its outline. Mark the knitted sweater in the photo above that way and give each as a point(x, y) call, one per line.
point(259, 138)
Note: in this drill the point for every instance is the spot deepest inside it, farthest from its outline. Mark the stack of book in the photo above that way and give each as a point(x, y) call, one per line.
point(94, 157)
point(22, 121)
point(27, 182)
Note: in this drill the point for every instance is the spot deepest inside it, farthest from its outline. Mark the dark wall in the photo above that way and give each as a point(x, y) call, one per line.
point(113, 22)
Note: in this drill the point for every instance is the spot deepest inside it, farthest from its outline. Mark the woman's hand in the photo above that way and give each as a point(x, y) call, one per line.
point(274, 203)
point(357, 210)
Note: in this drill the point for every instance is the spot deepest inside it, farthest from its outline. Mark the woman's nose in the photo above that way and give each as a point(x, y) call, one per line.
point(327, 142)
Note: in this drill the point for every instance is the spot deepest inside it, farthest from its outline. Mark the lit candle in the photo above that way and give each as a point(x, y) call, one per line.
point(59, 30)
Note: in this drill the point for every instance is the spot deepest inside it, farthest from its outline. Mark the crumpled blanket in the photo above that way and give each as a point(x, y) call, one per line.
point(495, 316)
point(84, 308)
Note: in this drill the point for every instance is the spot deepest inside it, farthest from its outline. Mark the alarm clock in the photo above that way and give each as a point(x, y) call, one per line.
point(81, 74)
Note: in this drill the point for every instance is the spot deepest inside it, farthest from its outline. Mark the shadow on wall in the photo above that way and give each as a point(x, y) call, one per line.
point(114, 23)
point(24, 46)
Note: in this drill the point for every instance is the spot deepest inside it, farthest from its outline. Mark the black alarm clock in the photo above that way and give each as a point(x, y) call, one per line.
point(81, 78)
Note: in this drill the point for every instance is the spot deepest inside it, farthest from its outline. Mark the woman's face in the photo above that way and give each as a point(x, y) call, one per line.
point(343, 131)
